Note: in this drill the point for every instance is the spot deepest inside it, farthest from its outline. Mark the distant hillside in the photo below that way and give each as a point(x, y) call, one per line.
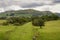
point(58, 14)
point(28, 12)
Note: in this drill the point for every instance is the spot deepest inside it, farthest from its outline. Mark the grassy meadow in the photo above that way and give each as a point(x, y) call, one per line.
point(51, 31)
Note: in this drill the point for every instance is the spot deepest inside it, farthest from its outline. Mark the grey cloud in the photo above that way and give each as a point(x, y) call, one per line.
point(31, 5)
point(27, 3)
point(56, 1)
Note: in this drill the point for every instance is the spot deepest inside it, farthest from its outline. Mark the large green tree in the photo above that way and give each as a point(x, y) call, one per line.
point(38, 22)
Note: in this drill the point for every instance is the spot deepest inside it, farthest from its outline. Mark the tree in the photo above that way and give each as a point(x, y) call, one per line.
point(38, 22)
point(54, 17)
point(12, 14)
point(50, 17)
point(41, 23)
point(18, 20)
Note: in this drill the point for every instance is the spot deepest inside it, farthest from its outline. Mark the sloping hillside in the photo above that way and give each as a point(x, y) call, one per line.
point(28, 12)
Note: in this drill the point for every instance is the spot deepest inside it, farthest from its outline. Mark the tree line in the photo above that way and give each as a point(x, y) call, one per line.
point(36, 20)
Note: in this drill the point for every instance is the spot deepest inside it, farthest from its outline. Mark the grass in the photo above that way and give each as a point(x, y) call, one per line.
point(51, 31)
point(22, 33)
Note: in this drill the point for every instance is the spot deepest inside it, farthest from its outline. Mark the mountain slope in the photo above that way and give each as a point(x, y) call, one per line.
point(27, 12)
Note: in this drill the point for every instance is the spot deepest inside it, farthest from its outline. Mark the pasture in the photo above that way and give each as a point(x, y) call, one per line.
point(51, 31)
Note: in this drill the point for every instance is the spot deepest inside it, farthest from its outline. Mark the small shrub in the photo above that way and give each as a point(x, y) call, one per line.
point(5, 23)
point(17, 24)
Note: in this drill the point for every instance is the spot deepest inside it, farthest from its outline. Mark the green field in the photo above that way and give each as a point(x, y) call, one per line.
point(51, 31)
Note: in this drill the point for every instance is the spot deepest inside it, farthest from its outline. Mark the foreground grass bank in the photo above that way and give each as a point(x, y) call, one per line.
point(51, 31)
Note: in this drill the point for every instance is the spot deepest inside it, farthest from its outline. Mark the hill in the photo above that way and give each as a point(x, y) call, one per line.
point(28, 13)
point(58, 14)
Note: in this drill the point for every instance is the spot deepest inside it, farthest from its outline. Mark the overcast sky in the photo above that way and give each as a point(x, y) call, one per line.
point(27, 3)
point(52, 5)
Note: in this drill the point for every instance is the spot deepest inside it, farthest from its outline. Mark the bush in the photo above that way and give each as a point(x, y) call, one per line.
point(17, 24)
point(3, 18)
point(5, 23)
